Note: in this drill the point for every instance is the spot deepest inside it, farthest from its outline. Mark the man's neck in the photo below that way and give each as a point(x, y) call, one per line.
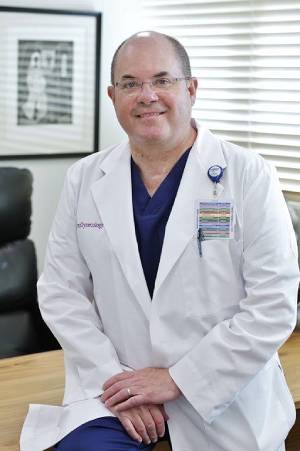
point(155, 162)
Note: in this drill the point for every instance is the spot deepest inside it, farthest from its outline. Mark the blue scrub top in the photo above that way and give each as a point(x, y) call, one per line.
point(151, 215)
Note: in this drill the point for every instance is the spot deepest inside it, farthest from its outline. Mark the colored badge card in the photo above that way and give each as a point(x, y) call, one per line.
point(215, 219)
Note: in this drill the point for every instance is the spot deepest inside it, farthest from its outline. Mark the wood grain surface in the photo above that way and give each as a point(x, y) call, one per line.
point(290, 359)
point(39, 378)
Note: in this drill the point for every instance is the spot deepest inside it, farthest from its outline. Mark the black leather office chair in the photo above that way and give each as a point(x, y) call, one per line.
point(22, 330)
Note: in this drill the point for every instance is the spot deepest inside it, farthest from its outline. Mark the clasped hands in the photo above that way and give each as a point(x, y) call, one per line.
point(137, 398)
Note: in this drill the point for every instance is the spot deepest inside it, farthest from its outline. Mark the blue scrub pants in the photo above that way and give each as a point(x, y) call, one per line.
point(102, 434)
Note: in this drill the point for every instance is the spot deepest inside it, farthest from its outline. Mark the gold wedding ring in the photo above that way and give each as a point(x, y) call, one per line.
point(129, 392)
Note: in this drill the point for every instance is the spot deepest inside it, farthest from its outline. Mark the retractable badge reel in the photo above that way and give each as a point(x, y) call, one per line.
point(215, 173)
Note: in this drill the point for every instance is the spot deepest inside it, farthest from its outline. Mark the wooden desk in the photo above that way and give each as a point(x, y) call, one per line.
point(290, 359)
point(39, 378)
point(36, 379)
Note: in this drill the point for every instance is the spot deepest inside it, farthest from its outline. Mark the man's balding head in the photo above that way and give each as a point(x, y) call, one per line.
point(179, 51)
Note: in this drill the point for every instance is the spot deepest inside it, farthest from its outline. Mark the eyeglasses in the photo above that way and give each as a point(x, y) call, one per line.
point(131, 86)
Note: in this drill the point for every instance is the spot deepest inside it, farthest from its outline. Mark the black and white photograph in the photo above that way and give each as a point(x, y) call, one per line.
point(45, 82)
point(50, 84)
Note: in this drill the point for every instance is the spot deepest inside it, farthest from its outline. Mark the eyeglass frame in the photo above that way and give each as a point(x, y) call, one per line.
point(140, 85)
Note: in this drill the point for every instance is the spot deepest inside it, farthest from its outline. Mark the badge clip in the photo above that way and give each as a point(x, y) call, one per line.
point(215, 173)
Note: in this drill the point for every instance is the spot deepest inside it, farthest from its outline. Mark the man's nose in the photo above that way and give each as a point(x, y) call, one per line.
point(147, 94)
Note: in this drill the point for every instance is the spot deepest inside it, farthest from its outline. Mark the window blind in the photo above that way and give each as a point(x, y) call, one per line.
point(245, 54)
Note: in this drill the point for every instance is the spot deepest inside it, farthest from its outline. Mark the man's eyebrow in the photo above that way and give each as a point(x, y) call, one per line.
point(159, 74)
point(127, 76)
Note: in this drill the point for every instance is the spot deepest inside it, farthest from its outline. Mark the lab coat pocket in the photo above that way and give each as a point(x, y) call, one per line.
point(213, 284)
point(268, 407)
point(262, 415)
point(221, 251)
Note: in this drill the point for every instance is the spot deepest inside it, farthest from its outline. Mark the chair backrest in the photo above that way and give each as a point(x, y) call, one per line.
point(15, 204)
point(22, 330)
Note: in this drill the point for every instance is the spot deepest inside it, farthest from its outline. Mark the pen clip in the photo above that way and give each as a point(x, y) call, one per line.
point(200, 238)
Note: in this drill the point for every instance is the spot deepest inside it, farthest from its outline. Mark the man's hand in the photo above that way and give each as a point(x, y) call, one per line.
point(136, 388)
point(144, 423)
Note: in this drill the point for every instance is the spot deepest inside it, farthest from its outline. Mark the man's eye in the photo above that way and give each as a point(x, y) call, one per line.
point(130, 84)
point(162, 82)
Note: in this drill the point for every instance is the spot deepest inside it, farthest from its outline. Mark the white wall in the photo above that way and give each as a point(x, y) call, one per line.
point(119, 20)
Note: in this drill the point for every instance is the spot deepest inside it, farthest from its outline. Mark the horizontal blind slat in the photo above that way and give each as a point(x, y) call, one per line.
point(246, 58)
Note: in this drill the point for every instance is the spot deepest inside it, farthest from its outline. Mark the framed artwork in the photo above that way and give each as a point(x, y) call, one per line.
point(49, 82)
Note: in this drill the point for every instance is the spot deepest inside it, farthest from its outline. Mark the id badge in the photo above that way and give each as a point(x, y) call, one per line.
point(215, 220)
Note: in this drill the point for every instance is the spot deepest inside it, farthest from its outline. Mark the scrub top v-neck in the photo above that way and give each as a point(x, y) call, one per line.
point(151, 215)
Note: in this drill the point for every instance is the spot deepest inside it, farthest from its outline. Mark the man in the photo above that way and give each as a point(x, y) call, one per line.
point(170, 280)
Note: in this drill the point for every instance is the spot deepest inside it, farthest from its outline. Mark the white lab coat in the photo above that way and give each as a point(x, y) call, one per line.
point(216, 321)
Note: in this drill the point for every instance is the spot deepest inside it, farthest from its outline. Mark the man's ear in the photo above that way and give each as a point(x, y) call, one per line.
point(111, 93)
point(192, 88)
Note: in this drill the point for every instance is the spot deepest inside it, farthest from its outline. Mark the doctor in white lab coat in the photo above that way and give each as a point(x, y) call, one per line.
point(205, 345)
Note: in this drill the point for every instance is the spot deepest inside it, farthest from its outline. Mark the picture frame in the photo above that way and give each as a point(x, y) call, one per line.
point(49, 103)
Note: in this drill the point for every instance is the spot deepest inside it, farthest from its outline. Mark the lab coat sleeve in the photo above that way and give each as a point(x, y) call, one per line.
point(65, 293)
point(217, 369)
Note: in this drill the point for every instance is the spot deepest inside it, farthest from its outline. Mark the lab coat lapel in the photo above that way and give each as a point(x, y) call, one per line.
point(195, 185)
point(113, 198)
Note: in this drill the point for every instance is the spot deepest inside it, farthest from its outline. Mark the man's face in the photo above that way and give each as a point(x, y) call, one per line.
point(149, 116)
